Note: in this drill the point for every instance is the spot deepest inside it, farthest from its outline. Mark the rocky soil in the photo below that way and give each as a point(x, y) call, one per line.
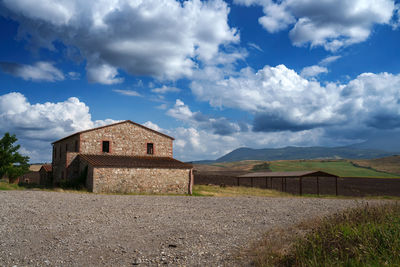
point(39, 228)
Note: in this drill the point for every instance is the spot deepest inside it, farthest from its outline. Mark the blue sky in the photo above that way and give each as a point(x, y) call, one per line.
point(215, 75)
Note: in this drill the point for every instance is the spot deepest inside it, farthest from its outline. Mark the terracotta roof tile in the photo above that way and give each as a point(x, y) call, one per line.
point(134, 162)
point(47, 167)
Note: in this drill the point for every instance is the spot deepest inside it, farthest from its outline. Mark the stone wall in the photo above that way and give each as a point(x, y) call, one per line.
point(129, 180)
point(126, 139)
point(89, 176)
point(45, 177)
point(63, 154)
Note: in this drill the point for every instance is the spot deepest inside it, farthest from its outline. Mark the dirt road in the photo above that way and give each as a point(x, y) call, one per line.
point(40, 228)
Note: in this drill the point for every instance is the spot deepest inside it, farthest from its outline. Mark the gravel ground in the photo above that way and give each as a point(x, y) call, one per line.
point(39, 228)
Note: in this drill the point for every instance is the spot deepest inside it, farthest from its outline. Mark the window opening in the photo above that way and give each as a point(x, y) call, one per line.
point(150, 148)
point(106, 147)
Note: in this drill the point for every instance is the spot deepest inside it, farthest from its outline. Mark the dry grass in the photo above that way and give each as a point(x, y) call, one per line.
point(8, 186)
point(233, 191)
point(387, 164)
point(365, 236)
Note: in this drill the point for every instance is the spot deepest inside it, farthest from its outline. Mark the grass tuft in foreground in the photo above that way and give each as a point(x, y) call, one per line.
point(368, 236)
point(231, 191)
point(8, 186)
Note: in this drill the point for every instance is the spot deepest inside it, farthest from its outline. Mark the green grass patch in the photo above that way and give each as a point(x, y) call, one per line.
point(232, 191)
point(341, 168)
point(367, 236)
point(261, 167)
point(8, 186)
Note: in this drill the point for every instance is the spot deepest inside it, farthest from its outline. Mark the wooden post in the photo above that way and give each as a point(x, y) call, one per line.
point(300, 187)
point(317, 185)
point(336, 186)
point(285, 185)
point(282, 184)
point(238, 183)
point(266, 182)
point(191, 182)
point(251, 181)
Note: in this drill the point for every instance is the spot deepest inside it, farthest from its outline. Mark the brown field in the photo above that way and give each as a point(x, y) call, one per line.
point(387, 164)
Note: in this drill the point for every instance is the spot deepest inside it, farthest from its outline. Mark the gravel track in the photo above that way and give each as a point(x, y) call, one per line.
point(39, 228)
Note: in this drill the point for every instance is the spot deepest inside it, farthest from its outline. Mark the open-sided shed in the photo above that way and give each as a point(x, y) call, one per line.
point(269, 176)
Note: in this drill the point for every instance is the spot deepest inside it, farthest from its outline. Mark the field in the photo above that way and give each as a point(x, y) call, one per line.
point(354, 181)
point(387, 164)
point(342, 168)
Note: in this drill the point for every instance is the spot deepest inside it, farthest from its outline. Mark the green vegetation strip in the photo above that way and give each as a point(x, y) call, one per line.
point(231, 191)
point(366, 236)
point(7, 186)
point(340, 168)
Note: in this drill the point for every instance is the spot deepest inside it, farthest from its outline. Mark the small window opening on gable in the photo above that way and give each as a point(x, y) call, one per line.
point(150, 148)
point(106, 146)
point(76, 146)
point(66, 147)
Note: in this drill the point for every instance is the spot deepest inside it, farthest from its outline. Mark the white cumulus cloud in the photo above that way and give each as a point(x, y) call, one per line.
point(313, 71)
point(37, 125)
point(163, 39)
point(282, 100)
point(331, 24)
point(40, 71)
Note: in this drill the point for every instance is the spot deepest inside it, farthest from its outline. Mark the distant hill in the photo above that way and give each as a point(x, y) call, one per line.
point(389, 143)
point(293, 153)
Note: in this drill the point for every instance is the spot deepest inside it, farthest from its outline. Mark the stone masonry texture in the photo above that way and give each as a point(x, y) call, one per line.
point(126, 139)
point(134, 180)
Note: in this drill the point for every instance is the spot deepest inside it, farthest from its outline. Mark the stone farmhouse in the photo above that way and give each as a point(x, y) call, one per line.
point(121, 157)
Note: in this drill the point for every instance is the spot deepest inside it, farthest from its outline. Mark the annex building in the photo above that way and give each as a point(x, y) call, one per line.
point(121, 157)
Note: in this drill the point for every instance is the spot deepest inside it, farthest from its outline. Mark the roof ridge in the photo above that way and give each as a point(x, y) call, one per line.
point(113, 124)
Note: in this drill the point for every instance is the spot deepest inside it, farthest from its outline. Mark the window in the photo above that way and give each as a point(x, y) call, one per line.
point(60, 151)
point(66, 147)
point(106, 146)
point(55, 152)
point(76, 146)
point(150, 148)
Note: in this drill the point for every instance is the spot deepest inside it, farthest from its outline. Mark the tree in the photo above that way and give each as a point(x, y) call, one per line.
point(12, 164)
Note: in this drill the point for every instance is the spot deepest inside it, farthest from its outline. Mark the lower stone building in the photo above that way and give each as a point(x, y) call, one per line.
point(45, 172)
point(133, 174)
point(120, 157)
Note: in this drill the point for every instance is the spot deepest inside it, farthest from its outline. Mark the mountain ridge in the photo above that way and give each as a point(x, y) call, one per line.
point(296, 153)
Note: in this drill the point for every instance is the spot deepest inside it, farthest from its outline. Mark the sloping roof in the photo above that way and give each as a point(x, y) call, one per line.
point(288, 174)
point(113, 124)
point(47, 167)
point(134, 162)
point(35, 167)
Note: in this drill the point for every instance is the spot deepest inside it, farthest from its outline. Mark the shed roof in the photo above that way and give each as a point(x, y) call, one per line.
point(134, 162)
point(113, 124)
point(35, 167)
point(47, 167)
point(289, 174)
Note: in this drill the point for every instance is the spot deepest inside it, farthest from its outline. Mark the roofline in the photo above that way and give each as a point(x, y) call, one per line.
point(113, 124)
point(288, 174)
point(87, 158)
